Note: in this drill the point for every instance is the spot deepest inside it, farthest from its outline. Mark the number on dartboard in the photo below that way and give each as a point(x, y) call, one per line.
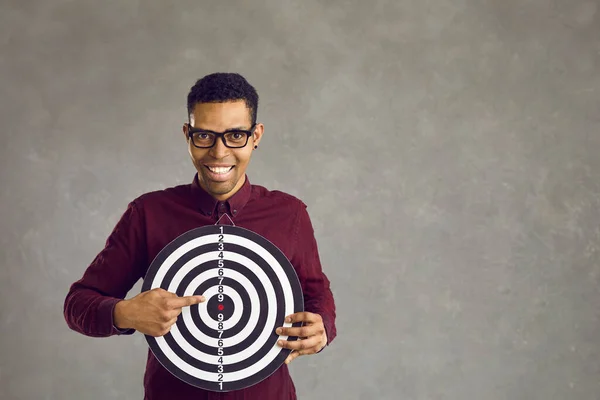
point(220, 296)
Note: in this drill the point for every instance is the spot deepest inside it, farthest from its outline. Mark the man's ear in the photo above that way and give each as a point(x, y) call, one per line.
point(258, 132)
point(185, 131)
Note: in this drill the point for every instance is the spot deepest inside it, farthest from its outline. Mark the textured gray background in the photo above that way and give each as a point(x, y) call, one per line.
point(448, 151)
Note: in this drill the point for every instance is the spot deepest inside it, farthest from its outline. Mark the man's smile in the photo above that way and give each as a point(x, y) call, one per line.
point(219, 169)
point(219, 172)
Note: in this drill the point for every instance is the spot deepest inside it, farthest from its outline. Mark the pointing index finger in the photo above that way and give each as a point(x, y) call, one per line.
point(186, 301)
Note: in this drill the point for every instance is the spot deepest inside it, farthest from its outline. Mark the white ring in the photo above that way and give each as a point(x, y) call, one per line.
point(211, 341)
point(237, 308)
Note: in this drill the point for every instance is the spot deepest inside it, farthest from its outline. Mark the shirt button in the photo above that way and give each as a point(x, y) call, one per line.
point(235, 211)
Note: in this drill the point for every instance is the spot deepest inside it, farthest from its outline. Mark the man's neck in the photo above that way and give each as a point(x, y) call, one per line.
point(230, 194)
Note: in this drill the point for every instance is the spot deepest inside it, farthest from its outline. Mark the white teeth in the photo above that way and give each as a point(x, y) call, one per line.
point(220, 170)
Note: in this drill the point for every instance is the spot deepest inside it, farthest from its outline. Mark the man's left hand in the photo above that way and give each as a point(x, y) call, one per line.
point(311, 337)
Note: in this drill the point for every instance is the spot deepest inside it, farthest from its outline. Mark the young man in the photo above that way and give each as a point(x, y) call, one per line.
point(221, 135)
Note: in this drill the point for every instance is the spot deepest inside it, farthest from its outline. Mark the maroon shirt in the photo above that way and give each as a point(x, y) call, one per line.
point(153, 220)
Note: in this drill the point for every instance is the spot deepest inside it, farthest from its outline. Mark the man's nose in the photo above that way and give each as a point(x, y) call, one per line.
point(219, 150)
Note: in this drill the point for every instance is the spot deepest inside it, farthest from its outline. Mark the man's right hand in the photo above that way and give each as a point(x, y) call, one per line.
point(152, 312)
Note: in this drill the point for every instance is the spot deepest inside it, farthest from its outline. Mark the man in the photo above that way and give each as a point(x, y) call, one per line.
point(221, 134)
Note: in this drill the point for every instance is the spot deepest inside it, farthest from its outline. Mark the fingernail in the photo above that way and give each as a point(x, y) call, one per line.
point(288, 319)
point(280, 342)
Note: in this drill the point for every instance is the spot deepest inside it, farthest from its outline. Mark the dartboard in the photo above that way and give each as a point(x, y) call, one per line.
point(227, 342)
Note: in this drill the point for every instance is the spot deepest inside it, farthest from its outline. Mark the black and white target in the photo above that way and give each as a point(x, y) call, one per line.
point(227, 342)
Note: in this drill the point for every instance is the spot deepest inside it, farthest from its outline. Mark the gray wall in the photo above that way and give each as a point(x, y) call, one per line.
point(448, 152)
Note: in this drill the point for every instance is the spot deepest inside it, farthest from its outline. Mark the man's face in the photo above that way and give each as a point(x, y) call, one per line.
point(221, 169)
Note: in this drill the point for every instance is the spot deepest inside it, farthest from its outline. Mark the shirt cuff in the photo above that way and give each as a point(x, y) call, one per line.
point(327, 326)
point(108, 306)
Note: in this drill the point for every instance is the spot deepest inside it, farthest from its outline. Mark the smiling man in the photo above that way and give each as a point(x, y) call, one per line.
point(221, 135)
point(221, 166)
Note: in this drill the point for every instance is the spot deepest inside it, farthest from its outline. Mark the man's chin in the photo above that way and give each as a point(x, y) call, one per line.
point(219, 187)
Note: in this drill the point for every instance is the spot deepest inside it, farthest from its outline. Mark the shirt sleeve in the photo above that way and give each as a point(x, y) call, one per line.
point(89, 304)
point(318, 297)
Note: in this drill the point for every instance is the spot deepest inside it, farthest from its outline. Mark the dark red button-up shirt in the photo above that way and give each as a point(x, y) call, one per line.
point(153, 220)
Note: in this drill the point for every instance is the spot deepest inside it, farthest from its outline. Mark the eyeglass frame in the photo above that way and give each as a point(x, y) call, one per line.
point(192, 130)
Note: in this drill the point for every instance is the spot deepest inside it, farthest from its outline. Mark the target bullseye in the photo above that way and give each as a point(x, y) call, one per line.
point(227, 342)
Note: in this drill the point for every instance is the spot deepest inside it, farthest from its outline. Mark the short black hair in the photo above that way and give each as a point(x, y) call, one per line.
point(221, 87)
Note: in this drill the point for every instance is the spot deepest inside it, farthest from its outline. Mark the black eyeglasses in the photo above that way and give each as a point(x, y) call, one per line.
point(232, 138)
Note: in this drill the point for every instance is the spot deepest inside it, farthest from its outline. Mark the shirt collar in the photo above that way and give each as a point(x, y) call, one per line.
point(208, 204)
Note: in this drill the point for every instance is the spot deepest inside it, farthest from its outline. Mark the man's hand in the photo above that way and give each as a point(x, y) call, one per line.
point(311, 337)
point(152, 312)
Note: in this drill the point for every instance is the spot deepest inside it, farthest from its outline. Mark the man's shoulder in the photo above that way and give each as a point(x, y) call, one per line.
point(280, 197)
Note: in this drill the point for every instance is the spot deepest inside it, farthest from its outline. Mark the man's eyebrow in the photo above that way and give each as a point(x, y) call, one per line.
point(237, 128)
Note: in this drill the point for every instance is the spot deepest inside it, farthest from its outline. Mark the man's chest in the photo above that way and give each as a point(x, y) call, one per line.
point(267, 228)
